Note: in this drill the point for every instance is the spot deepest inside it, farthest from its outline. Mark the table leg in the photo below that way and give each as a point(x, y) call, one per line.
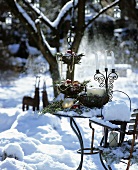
point(122, 134)
point(105, 137)
point(78, 134)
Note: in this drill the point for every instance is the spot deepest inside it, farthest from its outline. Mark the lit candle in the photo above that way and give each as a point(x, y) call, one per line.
point(97, 62)
point(67, 103)
point(95, 91)
point(105, 58)
point(113, 60)
point(113, 139)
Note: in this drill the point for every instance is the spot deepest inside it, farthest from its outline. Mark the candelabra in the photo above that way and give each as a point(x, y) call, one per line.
point(106, 80)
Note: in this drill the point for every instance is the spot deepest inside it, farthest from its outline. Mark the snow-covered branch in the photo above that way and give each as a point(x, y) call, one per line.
point(39, 13)
point(53, 50)
point(102, 11)
point(62, 14)
point(44, 43)
point(26, 16)
point(64, 11)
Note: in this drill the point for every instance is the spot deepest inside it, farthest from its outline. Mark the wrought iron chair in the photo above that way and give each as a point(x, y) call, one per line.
point(126, 128)
point(132, 130)
point(122, 130)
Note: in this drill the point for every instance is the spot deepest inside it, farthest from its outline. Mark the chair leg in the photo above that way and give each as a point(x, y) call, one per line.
point(131, 151)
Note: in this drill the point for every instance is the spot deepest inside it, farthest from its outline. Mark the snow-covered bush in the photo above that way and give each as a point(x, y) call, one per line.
point(13, 150)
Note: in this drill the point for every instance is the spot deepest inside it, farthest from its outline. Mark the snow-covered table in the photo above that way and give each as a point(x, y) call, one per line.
point(116, 115)
point(110, 116)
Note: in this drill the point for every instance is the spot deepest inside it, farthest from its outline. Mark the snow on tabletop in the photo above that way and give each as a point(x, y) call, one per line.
point(117, 110)
point(86, 113)
point(103, 122)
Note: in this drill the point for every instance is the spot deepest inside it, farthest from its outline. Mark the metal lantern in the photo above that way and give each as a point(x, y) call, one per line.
point(70, 36)
point(8, 19)
point(37, 4)
point(87, 10)
point(117, 12)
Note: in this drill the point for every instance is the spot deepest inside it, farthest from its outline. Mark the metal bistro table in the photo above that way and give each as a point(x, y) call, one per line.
point(76, 130)
point(96, 118)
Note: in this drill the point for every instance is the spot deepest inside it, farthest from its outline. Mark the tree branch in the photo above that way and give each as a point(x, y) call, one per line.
point(102, 11)
point(54, 26)
point(43, 44)
point(38, 12)
point(14, 6)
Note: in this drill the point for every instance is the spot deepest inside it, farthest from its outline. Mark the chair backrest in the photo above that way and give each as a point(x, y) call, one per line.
point(126, 95)
point(133, 124)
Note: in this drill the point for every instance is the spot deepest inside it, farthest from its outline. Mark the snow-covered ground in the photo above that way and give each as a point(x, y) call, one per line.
point(46, 142)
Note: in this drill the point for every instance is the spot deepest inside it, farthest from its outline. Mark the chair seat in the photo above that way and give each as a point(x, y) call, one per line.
point(131, 132)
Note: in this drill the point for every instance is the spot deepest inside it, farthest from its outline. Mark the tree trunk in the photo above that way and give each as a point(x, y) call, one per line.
point(55, 76)
point(80, 28)
point(37, 37)
point(51, 60)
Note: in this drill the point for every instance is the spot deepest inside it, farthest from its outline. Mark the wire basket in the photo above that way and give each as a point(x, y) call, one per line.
point(70, 90)
point(71, 59)
point(93, 100)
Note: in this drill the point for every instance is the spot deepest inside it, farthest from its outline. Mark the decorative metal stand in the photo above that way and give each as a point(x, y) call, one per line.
point(106, 80)
point(70, 58)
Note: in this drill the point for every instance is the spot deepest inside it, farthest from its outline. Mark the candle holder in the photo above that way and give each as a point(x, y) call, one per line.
point(70, 57)
point(71, 88)
point(106, 80)
point(93, 101)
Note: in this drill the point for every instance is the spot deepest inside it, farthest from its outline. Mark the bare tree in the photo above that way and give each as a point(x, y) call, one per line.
point(34, 18)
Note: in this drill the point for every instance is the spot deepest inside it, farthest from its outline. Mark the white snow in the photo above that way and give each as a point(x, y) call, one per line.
point(13, 48)
point(47, 141)
point(86, 113)
point(117, 110)
point(103, 122)
point(13, 150)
